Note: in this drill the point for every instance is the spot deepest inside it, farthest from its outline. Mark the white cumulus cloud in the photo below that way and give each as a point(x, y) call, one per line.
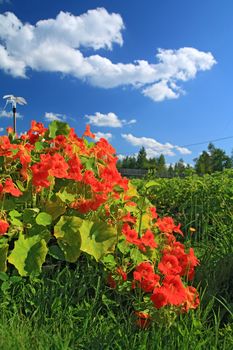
point(99, 135)
point(161, 91)
point(59, 45)
point(109, 119)
point(154, 148)
point(5, 114)
point(49, 116)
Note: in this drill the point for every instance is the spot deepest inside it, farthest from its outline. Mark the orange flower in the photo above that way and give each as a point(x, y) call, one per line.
point(9, 130)
point(143, 319)
point(88, 132)
point(192, 299)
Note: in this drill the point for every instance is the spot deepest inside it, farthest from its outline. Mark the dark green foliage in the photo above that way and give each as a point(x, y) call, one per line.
point(213, 160)
point(204, 203)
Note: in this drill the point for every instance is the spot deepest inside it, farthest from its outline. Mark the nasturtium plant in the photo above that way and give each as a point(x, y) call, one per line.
point(62, 196)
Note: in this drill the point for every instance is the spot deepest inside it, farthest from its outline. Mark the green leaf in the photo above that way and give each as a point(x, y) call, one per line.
point(39, 146)
point(91, 242)
point(137, 256)
point(3, 256)
point(44, 219)
point(16, 222)
point(28, 255)
point(3, 276)
point(29, 215)
point(7, 204)
point(68, 236)
point(35, 230)
point(109, 261)
point(123, 247)
point(66, 197)
point(20, 186)
point(89, 163)
point(145, 222)
point(151, 183)
point(56, 252)
point(14, 214)
point(58, 128)
point(2, 161)
point(101, 232)
point(55, 208)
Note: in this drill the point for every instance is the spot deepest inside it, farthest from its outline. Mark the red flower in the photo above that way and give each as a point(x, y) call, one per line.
point(159, 297)
point(143, 319)
point(58, 166)
point(113, 279)
point(174, 289)
point(144, 274)
point(40, 172)
point(10, 187)
point(150, 282)
point(129, 218)
point(88, 132)
point(148, 239)
point(74, 171)
point(167, 225)
point(5, 146)
point(130, 234)
point(9, 130)
point(169, 265)
point(3, 227)
point(144, 269)
point(172, 292)
point(37, 127)
point(111, 282)
point(192, 299)
point(121, 273)
point(153, 213)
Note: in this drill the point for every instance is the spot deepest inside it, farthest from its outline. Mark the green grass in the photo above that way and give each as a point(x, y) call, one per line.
point(71, 308)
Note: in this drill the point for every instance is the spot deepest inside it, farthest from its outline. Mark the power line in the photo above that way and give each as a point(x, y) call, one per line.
point(204, 142)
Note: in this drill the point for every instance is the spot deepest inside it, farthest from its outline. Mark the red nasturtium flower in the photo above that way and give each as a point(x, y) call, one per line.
point(88, 132)
point(9, 187)
point(159, 297)
point(172, 292)
point(143, 319)
point(192, 299)
point(120, 276)
point(174, 289)
point(167, 225)
point(148, 239)
point(131, 235)
point(153, 212)
point(169, 265)
point(3, 227)
point(145, 277)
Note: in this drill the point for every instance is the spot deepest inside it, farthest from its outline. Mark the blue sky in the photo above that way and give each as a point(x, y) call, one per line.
point(143, 73)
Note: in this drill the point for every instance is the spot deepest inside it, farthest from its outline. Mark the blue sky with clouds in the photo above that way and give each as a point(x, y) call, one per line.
point(149, 73)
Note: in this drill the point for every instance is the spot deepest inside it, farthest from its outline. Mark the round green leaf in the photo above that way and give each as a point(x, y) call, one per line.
point(44, 219)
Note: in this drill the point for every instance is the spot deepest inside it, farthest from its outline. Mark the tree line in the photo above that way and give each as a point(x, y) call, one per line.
point(209, 161)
